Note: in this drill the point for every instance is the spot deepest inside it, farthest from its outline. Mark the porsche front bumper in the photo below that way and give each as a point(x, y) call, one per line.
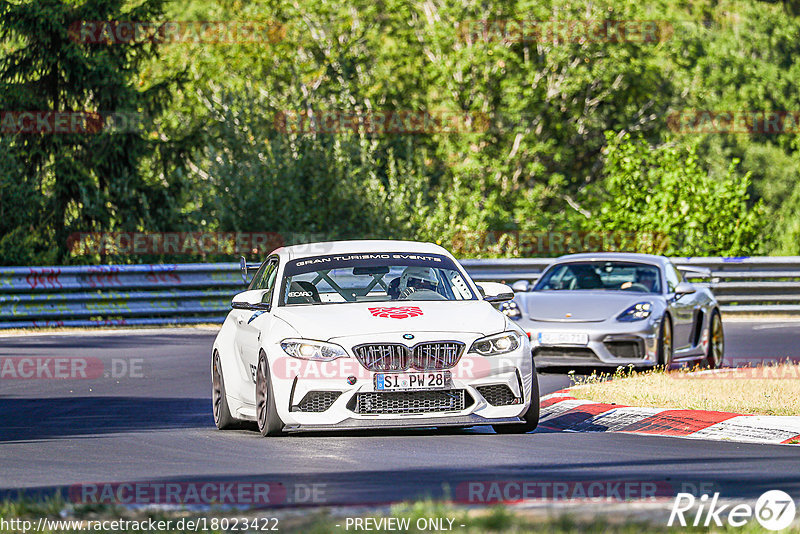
point(605, 343)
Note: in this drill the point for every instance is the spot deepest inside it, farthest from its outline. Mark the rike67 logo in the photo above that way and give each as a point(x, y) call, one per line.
point(396, 312)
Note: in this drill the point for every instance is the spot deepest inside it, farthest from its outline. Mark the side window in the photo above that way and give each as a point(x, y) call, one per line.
point(265, 278)
point(673, 277)
point(257, 276)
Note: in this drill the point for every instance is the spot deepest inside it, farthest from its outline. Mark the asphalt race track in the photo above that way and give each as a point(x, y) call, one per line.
point(154, 424)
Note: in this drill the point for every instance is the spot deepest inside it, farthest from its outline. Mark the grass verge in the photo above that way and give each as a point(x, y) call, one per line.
point(763, 390)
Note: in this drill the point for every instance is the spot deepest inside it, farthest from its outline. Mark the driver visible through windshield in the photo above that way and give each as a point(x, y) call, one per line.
point(601, 275)
point(374, 277)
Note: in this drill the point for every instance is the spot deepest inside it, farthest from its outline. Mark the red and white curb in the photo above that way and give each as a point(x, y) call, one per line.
point(561, 411)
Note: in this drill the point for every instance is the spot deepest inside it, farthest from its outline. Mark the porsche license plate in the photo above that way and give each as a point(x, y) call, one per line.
point(563, 338)
point(407, 381)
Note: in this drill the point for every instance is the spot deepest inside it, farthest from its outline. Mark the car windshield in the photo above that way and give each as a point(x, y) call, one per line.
point(374, 277)
point(601, 275)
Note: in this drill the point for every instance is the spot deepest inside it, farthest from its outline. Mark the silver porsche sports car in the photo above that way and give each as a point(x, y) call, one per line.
point(619, 309)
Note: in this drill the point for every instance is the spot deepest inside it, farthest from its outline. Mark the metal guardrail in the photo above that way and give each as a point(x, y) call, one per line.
point(113, 295)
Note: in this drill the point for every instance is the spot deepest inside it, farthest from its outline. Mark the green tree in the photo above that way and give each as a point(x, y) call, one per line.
point(56, 184)
point(667, 203)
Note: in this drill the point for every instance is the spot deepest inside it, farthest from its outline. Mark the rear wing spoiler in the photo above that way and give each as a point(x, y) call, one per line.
point(690, 271)
point(245, 268)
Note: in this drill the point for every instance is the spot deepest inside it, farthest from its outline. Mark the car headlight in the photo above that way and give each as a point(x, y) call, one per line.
point(312, 350)
point(637, 312)
point(496, 344)
point(511, 309)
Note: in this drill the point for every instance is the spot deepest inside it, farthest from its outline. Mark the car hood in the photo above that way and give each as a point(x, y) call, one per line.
point(578, 306)
point(327, 321)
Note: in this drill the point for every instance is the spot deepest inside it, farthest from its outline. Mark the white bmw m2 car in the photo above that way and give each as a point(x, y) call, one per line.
point(371, 334)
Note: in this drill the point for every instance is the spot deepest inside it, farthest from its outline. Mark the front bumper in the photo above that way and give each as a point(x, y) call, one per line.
point(610, 344)
point(468, 407)
point(388, 424)
point(343, 395)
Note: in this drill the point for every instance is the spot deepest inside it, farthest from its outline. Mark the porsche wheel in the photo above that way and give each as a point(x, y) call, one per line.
point(715, 352)
point(269, 424)
point(531, 417)
point(665, 343)
point(219, 401)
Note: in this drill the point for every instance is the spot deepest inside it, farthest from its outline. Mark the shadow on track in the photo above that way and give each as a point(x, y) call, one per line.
point(26, 419)
point(386, 486)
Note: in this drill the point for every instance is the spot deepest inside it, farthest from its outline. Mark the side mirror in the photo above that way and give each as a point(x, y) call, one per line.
point(495, 292)
point(521, 286)
point(684, 288)
point(243, 267)
point(250, 300)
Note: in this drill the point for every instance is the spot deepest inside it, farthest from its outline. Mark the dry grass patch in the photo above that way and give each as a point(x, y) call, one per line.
point(768, 390)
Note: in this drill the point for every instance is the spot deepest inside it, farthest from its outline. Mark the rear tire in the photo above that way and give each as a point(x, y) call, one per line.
point(531, 417)
point(665, 347)
point(715, 353)
point(269, 424)
point(219, 400)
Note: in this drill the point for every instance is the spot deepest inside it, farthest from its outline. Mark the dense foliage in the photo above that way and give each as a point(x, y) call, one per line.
point(553, 136)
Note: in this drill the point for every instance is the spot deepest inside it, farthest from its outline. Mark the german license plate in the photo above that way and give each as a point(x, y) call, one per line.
point(407, 381)
point(562, 338)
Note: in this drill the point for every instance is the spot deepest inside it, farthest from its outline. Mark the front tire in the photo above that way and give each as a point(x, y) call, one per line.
point(531, 417)
point(219, 400)
point(665, 347)
point(269, 424)
point(716, 342)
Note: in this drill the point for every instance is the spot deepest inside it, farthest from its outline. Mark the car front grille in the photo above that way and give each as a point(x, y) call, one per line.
point(405, 402)
point(386, 357)
point(317, 401)
point(497, 394)
point(429, 356)
point(436, 355)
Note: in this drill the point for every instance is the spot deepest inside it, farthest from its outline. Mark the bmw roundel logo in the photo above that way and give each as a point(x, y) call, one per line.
point(408, 336)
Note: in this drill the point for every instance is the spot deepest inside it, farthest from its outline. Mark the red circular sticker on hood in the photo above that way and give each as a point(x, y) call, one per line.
point(398, 312)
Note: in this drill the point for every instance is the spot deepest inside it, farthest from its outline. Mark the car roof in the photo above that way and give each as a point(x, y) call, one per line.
point(613, 256)
point(358, 246)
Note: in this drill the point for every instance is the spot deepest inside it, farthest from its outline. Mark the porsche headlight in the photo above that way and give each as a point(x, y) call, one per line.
point(496, 344)
point(637, 312)
point(511, 309)
point(305, 349)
